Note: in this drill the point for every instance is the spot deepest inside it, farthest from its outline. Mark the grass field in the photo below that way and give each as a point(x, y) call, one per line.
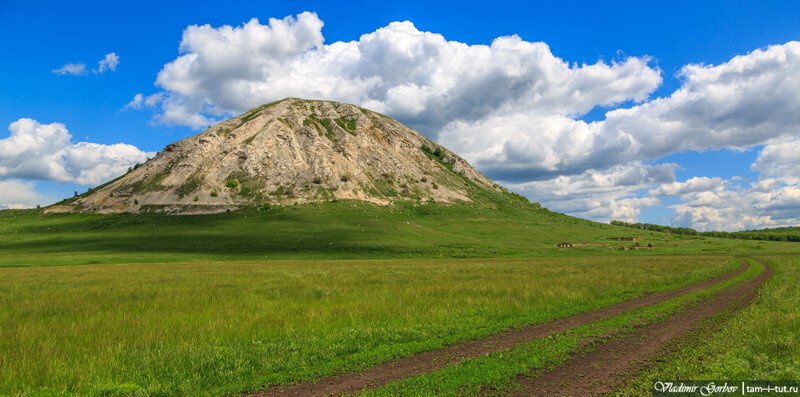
point(760, 342)
point(209, 328)
point(335, 230)
point(496, 373)
point(215, 304)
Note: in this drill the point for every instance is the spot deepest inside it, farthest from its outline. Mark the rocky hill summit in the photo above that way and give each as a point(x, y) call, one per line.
point(286, 152)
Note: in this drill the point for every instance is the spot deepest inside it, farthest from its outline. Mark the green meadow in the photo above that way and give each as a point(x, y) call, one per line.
point(496, 374)
point(154, 304)
point(209, 328)
point(759, 342)
point(333, 230)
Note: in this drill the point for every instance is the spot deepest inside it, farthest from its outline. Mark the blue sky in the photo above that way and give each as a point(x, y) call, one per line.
point(666, 37)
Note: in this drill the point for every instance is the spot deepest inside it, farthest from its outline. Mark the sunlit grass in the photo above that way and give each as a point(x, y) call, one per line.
point(497, 373)
point(161, 305)
point(212, 328)
point(335, 230)
point(758, 343)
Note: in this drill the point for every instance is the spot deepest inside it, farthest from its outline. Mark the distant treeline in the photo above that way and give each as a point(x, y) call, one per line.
point(776, 234)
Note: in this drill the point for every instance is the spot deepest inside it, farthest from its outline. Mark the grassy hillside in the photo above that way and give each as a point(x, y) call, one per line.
point(153, 304)
point(333, 230)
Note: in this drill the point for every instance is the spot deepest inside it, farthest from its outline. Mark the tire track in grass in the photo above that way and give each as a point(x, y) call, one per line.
point(600, 371)
point(421, 363)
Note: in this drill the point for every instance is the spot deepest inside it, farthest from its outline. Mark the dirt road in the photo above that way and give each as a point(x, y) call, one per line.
point(601, 370)
point(428, 361)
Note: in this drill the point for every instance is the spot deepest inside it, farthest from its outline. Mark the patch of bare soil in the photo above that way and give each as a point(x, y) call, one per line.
point(421, 363)
point(600, 371)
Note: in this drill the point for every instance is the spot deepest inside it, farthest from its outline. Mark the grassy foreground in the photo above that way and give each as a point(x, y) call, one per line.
point(497, 373)
point(758, 343)
point(155, 304)
point(214, 328)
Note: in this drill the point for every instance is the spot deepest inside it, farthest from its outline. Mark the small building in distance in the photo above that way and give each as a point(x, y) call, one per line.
point(564, 245)
point(624, 238)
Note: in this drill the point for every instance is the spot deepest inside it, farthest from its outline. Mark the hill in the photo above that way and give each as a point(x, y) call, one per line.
point(769, 234)
point(346, 229)
point(360, 185)
point(142, 302)
point(288, 152)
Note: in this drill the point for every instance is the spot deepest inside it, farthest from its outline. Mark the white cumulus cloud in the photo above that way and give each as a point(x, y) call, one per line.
point(139, 101)
point(513, 109)
point(747, 101)
point(601, 195)
point(39, 151)
point(418, 77)
point(780, 160)
point(726, 204)
point(691, 185)
point(15, 194)
point(733, 207)
point(108, 63)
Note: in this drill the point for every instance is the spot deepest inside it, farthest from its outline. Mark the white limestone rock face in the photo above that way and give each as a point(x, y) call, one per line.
point(286, 152)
